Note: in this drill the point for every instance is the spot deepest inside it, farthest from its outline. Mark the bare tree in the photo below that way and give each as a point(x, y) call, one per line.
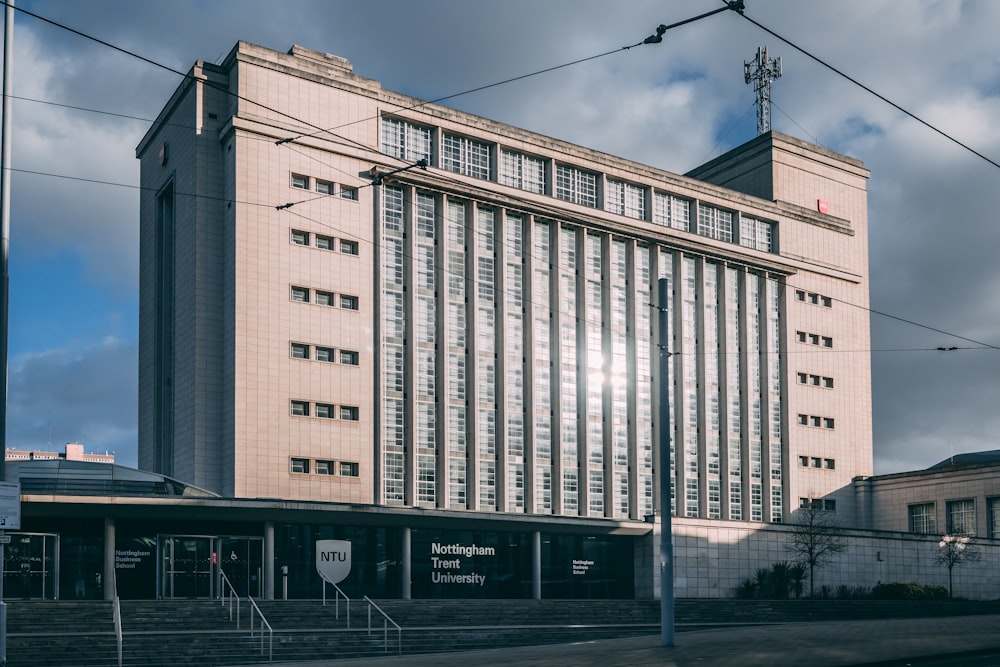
point(956, 550)
point(815, 539)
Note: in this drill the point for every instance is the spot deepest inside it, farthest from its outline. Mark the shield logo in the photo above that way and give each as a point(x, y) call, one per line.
point(333, 560)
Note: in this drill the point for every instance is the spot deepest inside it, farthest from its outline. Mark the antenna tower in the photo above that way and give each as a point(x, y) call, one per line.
point(762, 71)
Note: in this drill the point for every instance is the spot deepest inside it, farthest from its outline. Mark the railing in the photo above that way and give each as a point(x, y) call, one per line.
point(385, 627)
point(337, 595)
point(116, 611)
point(255, 611)
point(118, 627)
point(228, 594)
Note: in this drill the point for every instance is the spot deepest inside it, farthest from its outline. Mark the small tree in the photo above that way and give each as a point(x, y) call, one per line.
point(956, 550)
point(815, 539)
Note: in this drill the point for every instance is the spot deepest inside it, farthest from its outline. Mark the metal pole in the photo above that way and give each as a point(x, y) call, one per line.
point(666, 530)
point(8, 59)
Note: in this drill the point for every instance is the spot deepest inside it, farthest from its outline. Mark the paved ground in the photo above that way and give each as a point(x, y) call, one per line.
point(958, 641)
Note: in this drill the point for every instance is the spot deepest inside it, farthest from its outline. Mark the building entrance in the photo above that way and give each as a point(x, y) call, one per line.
point(31, 567)
point(241, 559)
point(186, 566)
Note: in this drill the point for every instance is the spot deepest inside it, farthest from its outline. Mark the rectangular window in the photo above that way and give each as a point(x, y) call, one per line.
point(349, 357)
point(300, 182)
point(347, 192)
point(324, 187)
point(993, 508)
point(922, 518)
point(961, 517)
point(324, 242)
point(324, 411)
point(804, 461)
point(816, 462)
point(671, 211)
point(756, 234)
point(300, 408)
point(348, 302)
point(300, 351)
point(324, 353)
point(829, 464)
point(625, 199)
point(349, 413)
point(576, 186)
point(348, 469)
point(300, 466)
point(405, 140)
point(466, 156)
point(324, 298)
point(349, 247)
point(522, 171)
point(324, 467)
point(715, 223)
point(828, 422)
point(300, 294)
point(300, 238)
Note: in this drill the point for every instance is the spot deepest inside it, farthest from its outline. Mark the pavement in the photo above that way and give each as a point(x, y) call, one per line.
point(950, 641)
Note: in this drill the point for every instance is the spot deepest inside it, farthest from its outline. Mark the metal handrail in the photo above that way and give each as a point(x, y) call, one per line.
point(116, 612)
point(116, 606)
point(228, 594)
point(337, 595)
point(385, 627)
point(263, 622)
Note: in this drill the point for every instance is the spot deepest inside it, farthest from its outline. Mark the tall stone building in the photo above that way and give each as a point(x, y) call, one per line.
point(351, 295)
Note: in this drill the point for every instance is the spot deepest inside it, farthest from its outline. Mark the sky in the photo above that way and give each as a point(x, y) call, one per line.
point(933, 204)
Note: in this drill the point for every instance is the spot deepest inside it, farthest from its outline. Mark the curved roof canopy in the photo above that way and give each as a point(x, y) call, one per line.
point(83, 478)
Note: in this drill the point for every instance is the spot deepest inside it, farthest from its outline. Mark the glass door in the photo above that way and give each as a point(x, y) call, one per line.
point(186, 566)
point(30, 567)
point(241, 559)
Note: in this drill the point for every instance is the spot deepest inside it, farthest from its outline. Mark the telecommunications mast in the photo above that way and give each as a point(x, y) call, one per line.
point(762, 71)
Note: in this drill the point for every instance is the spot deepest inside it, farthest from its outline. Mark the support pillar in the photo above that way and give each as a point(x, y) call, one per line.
point(536, 565)
point(109, 584)
point(268, 560)
point(407, 560)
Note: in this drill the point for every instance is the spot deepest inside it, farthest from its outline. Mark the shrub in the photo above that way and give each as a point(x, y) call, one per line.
point(909, 591)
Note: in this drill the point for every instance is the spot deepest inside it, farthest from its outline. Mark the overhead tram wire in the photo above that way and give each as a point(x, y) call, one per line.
point(730, 5)
point(871, 91)
point(656, 38)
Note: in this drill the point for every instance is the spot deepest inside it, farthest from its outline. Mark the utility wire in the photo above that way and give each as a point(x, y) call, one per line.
point(870, 91)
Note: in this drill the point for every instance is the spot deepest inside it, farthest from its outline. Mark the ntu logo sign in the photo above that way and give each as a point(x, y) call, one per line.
point(333, 560)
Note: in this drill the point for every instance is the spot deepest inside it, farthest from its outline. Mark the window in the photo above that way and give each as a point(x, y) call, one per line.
point(829, 464)
point(348, 469)
point(522, 171)
point(324, 411)
point(465, 156)
point(300, 238)
point(715, 223)
point(625, 199)
point(349, 357)
point(816, 462)
point(300, 408)
point(816, 421)
point(993, 509)
point(576, 186)
point(813, 298)
point(324, 187)
point(406, 141)
point(300, 351)
point(348, 302)
point(756, 234)
point(324, 298)
point(300, 182)
point(828, 422)
point(830, 505)
point(324, 353)
point(300, 294)
point(922, 518)
point(672, 212)
point(300, 466)
point(349, 413)
point(961, 517)
point(349, 247)
point(827, 341)
point(347, 192)
point(324, 467)
point(804, 461)
point(324, 242)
